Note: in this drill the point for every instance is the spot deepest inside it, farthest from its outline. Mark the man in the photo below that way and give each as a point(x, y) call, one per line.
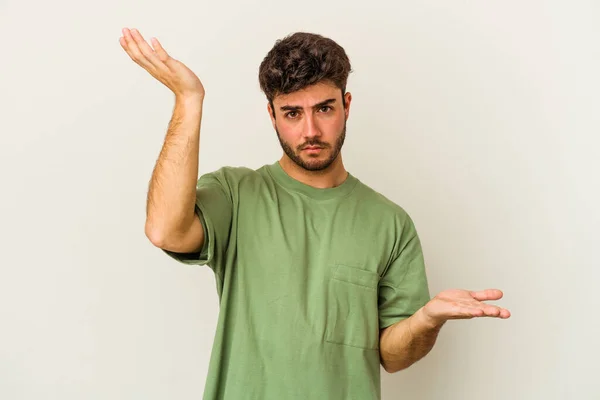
point(320, 278)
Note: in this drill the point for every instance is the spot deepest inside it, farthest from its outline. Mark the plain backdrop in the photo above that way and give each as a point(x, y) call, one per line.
point(480, 118)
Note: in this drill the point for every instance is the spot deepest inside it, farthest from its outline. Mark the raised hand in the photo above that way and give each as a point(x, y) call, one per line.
point(463, 304)
point(169, 71)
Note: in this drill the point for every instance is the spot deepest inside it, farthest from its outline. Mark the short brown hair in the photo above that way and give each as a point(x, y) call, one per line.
point(300, 60)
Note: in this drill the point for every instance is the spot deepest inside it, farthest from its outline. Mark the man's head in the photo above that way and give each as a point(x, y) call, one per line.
point(304, 77)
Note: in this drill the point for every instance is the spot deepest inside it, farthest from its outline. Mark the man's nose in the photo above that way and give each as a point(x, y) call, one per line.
point(311, 129)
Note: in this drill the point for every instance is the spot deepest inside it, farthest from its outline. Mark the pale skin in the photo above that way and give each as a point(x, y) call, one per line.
point(315, 113)
point(307, 122)
point(170, 219)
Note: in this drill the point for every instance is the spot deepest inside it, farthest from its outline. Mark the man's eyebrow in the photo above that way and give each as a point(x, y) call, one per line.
point(316, 106)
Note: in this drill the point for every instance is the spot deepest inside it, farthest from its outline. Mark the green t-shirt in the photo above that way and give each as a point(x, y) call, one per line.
point(306, 278)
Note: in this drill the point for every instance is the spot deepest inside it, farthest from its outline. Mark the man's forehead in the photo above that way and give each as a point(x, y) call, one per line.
point(308, 96)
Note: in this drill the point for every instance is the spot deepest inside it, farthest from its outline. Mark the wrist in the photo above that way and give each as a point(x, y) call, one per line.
point(192, 99)
point(427, 321)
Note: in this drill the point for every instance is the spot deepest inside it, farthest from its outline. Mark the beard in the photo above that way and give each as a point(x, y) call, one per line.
point(313, 164)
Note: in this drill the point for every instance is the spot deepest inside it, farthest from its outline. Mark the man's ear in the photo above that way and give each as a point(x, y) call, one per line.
point(271, 112)
point(347, 101)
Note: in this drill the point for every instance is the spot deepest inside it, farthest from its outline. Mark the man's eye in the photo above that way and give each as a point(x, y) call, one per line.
point(291, 114)
point(325, 108)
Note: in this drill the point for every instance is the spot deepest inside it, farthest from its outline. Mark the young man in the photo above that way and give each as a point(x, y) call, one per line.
point(320, 278)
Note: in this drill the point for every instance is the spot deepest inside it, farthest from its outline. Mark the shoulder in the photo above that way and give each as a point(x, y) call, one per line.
point(230, 178)
point(381, 204)
point(226, 174)
point(387, 214)
point(230, 172)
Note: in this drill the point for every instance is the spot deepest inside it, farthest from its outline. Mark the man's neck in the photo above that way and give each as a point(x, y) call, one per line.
point(332, 176)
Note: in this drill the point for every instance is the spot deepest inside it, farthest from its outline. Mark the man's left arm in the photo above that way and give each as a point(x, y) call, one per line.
point(409, 340)
point(406, 342)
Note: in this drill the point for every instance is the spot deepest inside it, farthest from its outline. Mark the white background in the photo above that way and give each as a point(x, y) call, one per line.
point(480, 118)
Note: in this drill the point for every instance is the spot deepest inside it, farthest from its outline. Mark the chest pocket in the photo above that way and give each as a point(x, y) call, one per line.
point(352, 312)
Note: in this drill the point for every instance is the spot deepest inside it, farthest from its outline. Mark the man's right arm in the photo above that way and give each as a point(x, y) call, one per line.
point(171, 221)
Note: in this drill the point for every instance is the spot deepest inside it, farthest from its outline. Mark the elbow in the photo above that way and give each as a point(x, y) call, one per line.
point(166, 238)
point(390, 369)
point(393, 366)
point(156, 235)
point(387, 365)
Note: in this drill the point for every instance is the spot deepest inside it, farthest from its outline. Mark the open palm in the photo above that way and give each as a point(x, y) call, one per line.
point(170, 72)
point(464, 304)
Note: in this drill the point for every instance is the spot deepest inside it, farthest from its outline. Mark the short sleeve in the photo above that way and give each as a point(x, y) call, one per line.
point(403, 289)
point(214, 208)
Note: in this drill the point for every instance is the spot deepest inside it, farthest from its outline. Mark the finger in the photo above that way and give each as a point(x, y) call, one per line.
point(134, 51)
point(492, 311)
point(130, 46)
point(123, 42)
point(467, 313)
point(488, 294)
point(146, 50)
point(159, 50)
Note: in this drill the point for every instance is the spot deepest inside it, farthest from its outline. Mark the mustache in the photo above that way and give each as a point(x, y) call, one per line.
point(313, 143)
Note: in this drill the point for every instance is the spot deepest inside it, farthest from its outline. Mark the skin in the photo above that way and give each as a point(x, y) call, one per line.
point(407, 341)
point(313, 116)
point(171, 223)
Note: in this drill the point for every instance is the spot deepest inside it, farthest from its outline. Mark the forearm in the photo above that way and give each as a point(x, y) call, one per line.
point(172, 189)
point(407, 341)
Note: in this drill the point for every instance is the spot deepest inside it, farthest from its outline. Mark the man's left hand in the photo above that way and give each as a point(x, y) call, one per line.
point(463, 304)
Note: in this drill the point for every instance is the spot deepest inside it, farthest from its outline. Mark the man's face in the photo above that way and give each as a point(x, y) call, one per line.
point(311, 124)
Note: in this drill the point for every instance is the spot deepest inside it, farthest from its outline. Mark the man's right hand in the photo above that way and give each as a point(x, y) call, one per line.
point(169, 71)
